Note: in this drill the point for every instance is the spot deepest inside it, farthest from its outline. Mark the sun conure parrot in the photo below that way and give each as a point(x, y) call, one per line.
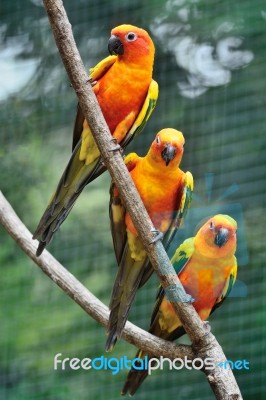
point(206, 266)
point(127, 95)
point(166, 193)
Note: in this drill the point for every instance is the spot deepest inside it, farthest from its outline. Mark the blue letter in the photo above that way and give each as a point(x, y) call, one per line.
point(138, 364)
point(94, 366)
point(114, 368)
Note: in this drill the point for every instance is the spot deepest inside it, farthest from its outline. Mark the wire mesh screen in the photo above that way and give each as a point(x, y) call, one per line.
point(210, 66)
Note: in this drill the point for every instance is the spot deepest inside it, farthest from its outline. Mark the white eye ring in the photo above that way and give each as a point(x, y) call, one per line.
point(211, 225)
point(158, 140)
point(131, 36)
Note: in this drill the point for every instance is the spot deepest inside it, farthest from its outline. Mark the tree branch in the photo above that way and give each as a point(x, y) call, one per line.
point(204, 343)
point(82, 296)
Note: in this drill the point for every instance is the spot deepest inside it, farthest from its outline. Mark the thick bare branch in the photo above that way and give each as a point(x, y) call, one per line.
point(82, 296)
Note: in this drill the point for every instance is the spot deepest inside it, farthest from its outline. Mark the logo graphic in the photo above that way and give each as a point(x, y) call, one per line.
point(116, 365)
point(238, 364)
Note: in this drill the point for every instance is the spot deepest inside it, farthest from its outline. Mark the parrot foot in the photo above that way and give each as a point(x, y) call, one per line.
point(157, 235)
point(207, 327)
point(115, 146)
point(93, 83)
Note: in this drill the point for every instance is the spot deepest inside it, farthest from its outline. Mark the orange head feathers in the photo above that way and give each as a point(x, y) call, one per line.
point(167, 148)
point(217, 237)
point(130, 43)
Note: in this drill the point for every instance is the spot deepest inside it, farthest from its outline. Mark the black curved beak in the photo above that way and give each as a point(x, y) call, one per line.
point(115, 47)
point(221, 237)
point(168, 153)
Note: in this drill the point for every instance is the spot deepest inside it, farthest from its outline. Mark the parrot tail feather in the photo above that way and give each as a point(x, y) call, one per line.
point(122, 297)
point(40, 248)
point(111, 340)
point(65, 198)
point(133, 381)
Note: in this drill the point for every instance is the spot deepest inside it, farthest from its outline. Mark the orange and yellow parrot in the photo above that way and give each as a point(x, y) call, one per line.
point(127, 95)
point(166, 193)
point(206, 266)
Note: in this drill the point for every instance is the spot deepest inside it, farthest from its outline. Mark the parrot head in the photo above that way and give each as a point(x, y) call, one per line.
point(217, 237)
point(167, 148)
point(130, 42)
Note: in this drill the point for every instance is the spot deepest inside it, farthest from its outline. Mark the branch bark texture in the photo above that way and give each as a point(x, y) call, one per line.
point(204, 343)
point(79, 293)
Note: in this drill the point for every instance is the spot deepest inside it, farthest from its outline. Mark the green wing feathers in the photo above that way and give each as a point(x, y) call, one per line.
point(229, 283)
point(183, 254)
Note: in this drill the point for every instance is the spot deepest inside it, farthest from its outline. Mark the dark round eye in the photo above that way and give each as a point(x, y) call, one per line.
point(131, 36)
point(211, 225)
point(158, 140)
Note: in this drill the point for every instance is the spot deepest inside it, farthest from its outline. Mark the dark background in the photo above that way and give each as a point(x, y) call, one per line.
point(210, 66)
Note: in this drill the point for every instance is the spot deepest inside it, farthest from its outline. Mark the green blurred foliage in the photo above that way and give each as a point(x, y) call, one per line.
point(225, 131)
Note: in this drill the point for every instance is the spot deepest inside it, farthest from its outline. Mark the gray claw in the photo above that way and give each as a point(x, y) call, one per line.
point(157, 235)
point(93, 83)
point(116, 146)
point(207, 326)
